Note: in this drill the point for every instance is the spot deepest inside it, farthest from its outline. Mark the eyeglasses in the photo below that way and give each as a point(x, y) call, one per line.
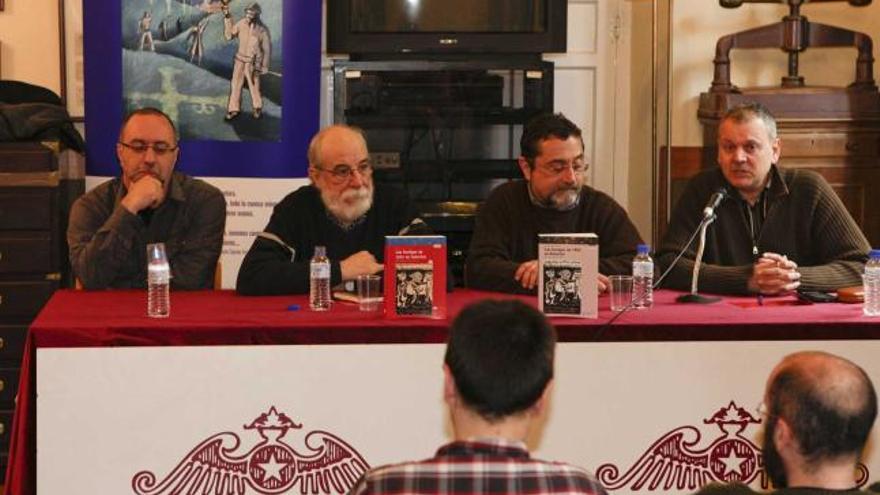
point(577, 167)
point(160, 148)
point(343, 173)
point(763, 410)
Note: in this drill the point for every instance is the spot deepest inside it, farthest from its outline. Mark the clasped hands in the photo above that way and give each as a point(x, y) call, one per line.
point(774, 274)
point(527, 275)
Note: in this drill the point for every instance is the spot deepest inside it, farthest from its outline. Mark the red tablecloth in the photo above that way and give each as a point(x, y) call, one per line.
point(118, 318)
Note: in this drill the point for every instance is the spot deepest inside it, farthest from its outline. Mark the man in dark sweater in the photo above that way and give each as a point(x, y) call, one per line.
point(819, 410)
point(778, 230)
point(552, 199)
point(341, 209)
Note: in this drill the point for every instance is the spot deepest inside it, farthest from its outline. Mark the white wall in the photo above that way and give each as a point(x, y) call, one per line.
point(29, 46)
point(697, 25)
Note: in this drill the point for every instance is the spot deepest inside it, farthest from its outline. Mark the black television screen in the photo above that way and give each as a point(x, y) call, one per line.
point(425, 26)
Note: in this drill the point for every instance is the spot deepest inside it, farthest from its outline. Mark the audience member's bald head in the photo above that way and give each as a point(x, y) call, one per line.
point(828, 401)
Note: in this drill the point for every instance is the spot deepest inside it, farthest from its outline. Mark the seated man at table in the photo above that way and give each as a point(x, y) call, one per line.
point(498, 372)
point(150, 202)
point(553, 198)
point(819, 412)
point(341, 210)
point(778, 230)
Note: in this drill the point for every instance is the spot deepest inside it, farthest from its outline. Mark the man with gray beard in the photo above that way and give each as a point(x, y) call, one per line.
point(341, 209)
point(553, 198)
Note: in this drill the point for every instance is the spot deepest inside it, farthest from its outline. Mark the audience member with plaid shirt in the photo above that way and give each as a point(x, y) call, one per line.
point(498, 369)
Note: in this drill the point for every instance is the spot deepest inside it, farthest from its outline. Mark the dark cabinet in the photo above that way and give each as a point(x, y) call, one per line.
point(38, 182)
point(446, 131)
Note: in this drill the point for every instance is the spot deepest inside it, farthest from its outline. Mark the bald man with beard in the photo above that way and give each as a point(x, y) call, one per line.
point(818, 412)
point(342, 209)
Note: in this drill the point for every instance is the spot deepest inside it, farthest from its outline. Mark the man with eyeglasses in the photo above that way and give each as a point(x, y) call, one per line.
point(553, 198)
point(781, 228)
point(111, 225)
point(341, 209)
point(818, 413)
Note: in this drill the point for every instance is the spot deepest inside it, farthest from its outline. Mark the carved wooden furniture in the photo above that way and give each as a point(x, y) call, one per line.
point(833, 131)
point(793, 35)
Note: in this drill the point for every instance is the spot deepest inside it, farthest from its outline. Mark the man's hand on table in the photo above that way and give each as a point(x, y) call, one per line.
point(774, 274)
point(360, 263)
point(527, 275)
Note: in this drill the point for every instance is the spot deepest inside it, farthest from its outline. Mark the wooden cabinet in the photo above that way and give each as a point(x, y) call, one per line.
point(38, 182)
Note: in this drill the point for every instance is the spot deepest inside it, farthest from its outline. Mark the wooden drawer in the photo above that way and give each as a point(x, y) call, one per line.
point(5, 431)
point(26, 157)
point(25, 298)
point(8, 387)
point(12, 344)
point(26, 254)
point(830, 144)
point(26, 209)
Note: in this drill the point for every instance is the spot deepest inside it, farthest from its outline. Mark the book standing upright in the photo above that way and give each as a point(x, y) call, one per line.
point(415, 276)
point(568, 265)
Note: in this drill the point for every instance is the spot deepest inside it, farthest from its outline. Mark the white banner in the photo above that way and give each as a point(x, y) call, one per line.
point(141, 419)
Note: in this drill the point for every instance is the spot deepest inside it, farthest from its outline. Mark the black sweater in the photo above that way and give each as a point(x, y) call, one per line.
point(508, 225)
point(805, 220)
point(302, 222)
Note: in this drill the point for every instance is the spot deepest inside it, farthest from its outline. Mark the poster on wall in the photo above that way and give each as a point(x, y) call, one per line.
point(239, 78)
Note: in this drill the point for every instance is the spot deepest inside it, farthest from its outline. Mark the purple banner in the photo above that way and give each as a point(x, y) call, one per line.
point(241, 80)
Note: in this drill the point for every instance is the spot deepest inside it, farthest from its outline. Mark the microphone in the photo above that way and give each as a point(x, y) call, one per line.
point(716, 199)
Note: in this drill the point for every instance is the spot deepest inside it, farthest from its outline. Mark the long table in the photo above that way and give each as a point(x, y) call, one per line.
point(116, 319)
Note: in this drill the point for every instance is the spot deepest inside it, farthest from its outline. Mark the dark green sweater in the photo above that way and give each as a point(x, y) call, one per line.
point(508, 224)
point(805, 220)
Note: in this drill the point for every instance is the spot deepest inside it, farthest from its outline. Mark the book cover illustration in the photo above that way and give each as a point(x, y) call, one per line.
point(415, 276)
point(414, 292)
point(569, 265)
point(562, 288)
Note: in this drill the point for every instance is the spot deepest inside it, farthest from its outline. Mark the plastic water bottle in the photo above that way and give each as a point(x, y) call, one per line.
point(872, 284)
point(319, 280)
point(643, 278)
point(158, 282)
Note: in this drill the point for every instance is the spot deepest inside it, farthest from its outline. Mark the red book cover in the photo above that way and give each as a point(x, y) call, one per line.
point(415, 276)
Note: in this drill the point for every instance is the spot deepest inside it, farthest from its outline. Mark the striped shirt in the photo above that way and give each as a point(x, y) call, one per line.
point(484, 466)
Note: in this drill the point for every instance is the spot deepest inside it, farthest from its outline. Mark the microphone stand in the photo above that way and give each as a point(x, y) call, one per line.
point(694, 297)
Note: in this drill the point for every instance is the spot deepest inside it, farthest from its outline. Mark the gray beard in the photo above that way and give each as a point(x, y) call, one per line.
point(554, 201)
point(345, 212)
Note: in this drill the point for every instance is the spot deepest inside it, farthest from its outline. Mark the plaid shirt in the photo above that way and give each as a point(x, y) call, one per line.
point(484, 466)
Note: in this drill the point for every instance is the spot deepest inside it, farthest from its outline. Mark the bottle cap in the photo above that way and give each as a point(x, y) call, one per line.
point(320, 251)
point(643, 249)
